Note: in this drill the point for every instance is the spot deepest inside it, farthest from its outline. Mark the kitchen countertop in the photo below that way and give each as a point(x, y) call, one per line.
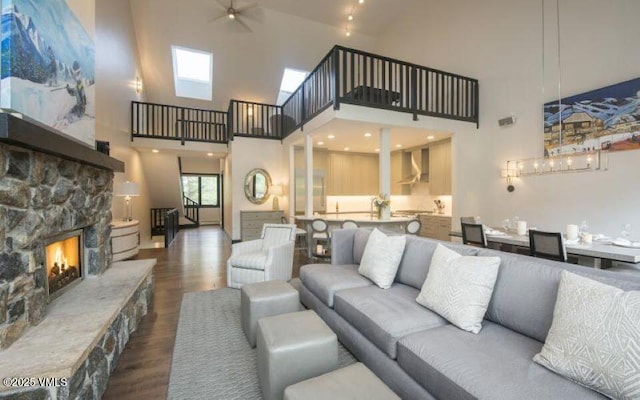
point(357, 217)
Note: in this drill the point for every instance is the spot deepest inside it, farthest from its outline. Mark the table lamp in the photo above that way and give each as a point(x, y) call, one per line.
point(127, 190)
point(275, 191)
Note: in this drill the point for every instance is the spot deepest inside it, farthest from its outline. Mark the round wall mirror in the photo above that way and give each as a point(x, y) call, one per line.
point(256, 186)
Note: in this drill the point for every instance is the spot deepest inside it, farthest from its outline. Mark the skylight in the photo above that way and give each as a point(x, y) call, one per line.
point(192, 73)
point(291, 79)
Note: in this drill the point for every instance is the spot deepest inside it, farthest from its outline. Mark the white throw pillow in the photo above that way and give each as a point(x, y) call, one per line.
point(381, 258)
point(459, 288)
point(595, 337)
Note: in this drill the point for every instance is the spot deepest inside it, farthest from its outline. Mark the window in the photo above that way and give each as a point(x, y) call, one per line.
point(291, 79)
point(192, 73)
point(203, 189)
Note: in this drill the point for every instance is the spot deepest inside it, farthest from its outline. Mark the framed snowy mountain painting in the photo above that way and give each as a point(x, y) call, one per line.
point(603, 119)
point(48, 64)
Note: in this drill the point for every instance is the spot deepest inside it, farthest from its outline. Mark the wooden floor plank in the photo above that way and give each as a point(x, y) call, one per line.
point(196, 261)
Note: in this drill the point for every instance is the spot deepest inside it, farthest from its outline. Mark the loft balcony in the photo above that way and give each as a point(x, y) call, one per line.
point(344, 76)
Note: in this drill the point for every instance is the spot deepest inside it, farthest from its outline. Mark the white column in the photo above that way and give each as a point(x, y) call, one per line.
point(385, 167)
point(308, 157)
point(292, 184)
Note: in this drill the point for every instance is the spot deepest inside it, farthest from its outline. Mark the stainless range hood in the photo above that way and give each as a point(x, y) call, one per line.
point(419, 167)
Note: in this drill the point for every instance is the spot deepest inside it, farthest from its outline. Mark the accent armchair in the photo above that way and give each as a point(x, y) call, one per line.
point(266, 259)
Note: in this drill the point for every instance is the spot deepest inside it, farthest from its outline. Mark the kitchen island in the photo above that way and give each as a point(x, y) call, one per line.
point(391, 225)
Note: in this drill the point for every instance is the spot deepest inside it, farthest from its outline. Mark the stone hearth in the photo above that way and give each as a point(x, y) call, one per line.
point(42, 195)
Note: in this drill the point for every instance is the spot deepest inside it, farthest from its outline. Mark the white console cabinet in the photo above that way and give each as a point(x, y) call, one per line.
point(125, 239)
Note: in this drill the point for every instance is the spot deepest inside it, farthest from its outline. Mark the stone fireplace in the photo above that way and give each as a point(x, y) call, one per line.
point(45, 194)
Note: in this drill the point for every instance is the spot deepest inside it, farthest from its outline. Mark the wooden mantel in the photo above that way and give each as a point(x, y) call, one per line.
point(25, 132)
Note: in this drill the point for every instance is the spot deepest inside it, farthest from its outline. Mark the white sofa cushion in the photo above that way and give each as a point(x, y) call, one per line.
point(381, 258)
point(595, 337)
point(459, 287)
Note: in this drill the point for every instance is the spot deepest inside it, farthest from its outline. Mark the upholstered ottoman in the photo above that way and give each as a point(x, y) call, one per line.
point(292, 348)
point(264, 299)
point(349, 383)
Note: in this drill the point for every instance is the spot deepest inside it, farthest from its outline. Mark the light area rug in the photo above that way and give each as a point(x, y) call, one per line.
point(211, 357)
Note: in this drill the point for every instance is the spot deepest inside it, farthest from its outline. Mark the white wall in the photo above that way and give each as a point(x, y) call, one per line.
point(117, 66)
point(163, 179)
point(499, 43)
point(247, 66)
point(248, 154)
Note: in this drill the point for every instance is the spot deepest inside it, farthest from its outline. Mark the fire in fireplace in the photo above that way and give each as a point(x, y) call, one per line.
point(64, 262)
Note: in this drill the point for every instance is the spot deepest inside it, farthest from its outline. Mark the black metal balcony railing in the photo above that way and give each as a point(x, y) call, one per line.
point(343, 76)
point(160, 121)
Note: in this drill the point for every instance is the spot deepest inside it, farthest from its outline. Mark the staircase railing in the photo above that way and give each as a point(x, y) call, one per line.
point(344, 75)
point(191, 210)
point(171, 226)
point(166, 222)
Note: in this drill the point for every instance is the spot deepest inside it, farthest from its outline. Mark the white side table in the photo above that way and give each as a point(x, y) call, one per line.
point(125, 239)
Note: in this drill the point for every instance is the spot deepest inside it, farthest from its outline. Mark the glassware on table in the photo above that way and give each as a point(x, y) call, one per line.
point(514, 223)
point(626, 231)
point(506, 224)
point(583, 227)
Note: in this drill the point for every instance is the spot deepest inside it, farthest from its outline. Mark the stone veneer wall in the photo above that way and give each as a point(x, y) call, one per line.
point(40, 196)
point(90, 380)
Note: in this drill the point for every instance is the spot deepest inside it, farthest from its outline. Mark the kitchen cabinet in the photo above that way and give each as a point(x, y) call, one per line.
point(440, 168)
point(435, 227)
point(352, 174)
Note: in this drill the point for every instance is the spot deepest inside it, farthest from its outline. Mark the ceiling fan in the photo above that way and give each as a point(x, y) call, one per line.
point(234, 13)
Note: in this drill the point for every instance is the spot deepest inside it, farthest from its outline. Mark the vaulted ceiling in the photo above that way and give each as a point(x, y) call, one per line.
point(248, 65)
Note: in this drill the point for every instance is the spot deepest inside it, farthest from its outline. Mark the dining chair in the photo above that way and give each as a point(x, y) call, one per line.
point(468, 220)
point(413, 227)
point(473, 234)
point(349, 224)
point(549, 245)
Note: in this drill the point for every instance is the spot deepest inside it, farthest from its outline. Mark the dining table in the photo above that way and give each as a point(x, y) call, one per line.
point(597, 254)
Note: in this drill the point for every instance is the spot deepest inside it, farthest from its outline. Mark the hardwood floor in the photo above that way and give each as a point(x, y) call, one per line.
point(196, 261)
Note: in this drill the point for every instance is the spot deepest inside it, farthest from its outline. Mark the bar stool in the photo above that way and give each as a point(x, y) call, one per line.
point(301, 235)
point(320, 233)
point(413, 227)
point(349, 224)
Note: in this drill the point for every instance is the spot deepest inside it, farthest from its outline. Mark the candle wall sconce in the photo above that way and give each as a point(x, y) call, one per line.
point(587, 162)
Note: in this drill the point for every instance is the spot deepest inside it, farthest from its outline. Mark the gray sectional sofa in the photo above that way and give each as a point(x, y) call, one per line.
point(418, 353)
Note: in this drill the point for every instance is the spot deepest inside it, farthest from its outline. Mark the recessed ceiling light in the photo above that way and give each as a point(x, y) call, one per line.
point(346, 149)
point(367, 134)
point(331, 137)
point(398, 145)
point(348, 32)
point(155, 151)
point(377, 150)
point(431, 137)
point(360, 1)
point(210, 154)
point(320, 143)
point(350, 17)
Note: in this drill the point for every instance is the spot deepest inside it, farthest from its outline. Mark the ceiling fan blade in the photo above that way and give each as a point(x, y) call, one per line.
point(243, 24)
point(223, 5)
point(255, 14)
point(247, 7)
point(225, 15)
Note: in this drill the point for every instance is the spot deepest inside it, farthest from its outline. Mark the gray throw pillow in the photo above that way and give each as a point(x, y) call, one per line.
point(381, 258)
point(594, 338)
point(459, 288)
